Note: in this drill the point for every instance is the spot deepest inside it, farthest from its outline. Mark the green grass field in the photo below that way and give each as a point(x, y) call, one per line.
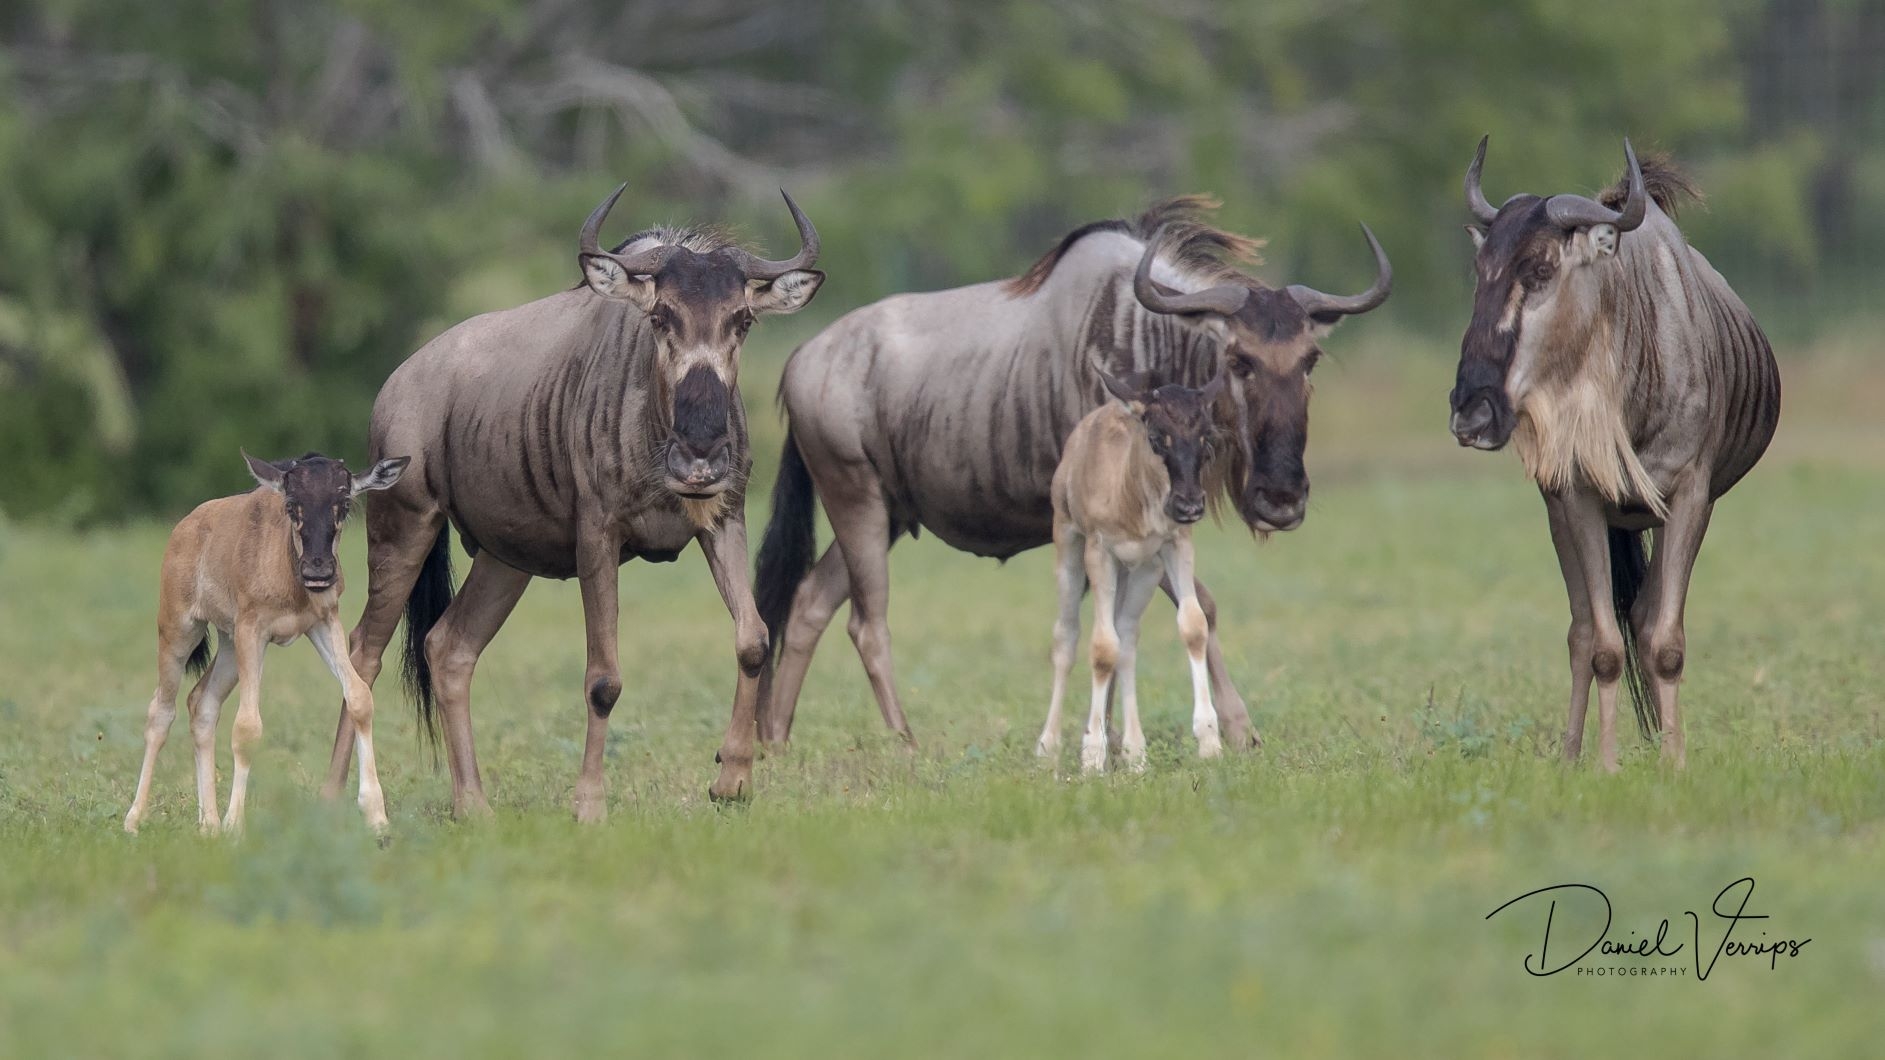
point(1404, 657)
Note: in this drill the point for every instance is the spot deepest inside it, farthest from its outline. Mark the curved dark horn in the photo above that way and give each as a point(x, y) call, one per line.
point(1475, 198)
point(1224, 300)
point(646, 263)
point(1576, 211)
point(761, 269)
point(1315, 303)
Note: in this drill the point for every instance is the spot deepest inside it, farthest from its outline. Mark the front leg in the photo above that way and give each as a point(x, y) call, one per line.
point(330, 640)
point(1233, 715)
point(1070, 579)
point(1583, 631)
point(725, 549)
point(1589, 533)
point(1195, 631)
point(246, 736)
point(598, 555)
point(1137, 584)
point(1659, 632)
point(1103, 651)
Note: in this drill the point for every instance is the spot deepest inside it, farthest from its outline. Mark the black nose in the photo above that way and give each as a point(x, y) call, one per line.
point(690, 466)
point(1186, 509)
point(1472, 420)
point(1281, 508)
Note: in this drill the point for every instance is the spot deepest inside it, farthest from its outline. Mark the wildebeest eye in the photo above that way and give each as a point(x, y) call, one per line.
point(661, 318)
point(1539, 273)
point(1241, 365)
point(741, 321)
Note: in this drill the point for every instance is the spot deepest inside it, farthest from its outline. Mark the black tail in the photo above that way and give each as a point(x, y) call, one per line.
point(431, 595)
point(199, 656)
point(785, 554)
point(1629, 567)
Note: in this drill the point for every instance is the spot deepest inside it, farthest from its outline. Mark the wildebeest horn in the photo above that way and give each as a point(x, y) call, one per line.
point(761, 269)
point(1224, 300)
point(646, 263)
point(1475, 198)
point(1576, 211)
point(1317, 304)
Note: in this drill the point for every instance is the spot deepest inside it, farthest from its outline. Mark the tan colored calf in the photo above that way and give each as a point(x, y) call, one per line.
point(1129, 486)
point(259, 567)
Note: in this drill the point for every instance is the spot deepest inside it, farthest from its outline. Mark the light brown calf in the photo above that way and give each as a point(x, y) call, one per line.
point(259, 567)
point(1129, 486)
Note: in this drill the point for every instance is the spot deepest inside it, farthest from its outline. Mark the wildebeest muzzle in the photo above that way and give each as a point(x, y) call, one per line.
point(700, 451)
point(1482, 413)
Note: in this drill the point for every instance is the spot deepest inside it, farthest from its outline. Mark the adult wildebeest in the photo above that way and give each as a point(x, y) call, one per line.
point(947, 411)
point(1129, 487)
point(1638, 389)
point(564, 438)
point(260, 568)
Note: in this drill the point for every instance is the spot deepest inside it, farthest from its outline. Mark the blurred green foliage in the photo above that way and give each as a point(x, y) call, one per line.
point(222, 222)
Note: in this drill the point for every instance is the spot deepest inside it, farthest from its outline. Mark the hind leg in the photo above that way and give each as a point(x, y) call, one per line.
point(490, 591)
point(398, 541)
point(854, 501)
point(206, 704)
point(173, 654)
point(817, 600)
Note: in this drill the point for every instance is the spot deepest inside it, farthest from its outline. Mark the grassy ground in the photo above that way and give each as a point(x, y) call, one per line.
point(1404, 658)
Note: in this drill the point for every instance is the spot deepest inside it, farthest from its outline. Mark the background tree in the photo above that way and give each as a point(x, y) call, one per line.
point(224, 222)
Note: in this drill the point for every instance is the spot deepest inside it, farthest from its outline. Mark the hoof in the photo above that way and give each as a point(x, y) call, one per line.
point(471, 810)
point(590, 807)
point(734, 784)
point(1093, 756)
point(1209, 746)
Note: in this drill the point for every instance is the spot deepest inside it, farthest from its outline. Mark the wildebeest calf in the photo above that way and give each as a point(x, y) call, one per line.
point(1129, 485)
point(259, 567)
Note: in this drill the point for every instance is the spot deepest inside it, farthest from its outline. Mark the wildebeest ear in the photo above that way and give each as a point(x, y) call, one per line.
point(269, 475)
point(381, 475)
point(1602, 239)
point(1478, 234)
point(787, 294)
point(1122, 390)
point(607, 278)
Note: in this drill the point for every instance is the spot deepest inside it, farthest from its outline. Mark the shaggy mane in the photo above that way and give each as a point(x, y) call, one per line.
point(1192, 246)
point(701, 239)
point(1666, 182)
